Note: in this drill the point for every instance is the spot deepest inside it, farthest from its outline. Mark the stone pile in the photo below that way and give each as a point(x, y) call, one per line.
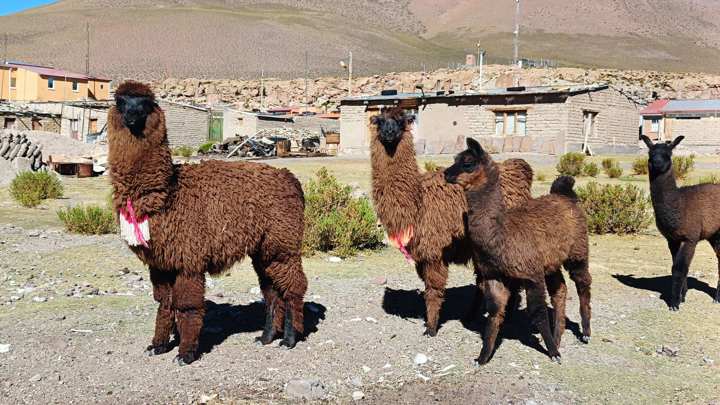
point(16, 145)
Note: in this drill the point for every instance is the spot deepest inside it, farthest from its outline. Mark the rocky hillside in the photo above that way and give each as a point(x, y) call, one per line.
point(240, 38)
point(326, 92)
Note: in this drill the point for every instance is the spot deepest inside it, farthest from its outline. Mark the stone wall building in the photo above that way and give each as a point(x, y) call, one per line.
point(697, 120)
point(187, 125)
point(550, 120)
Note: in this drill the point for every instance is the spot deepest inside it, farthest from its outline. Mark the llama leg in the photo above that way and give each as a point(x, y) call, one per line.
point(681, 264)
point(478, 302)
point(715, 242)
point(189, 303)
point(537, 305)
point(271, 302)
point(496, 299)
point(558, 295)
point(580, 275)
point(288, 277)
point(435, 275)
point(162, 282)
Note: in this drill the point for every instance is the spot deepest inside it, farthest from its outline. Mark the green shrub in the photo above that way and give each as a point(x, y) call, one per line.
point(88, 220)
point(335, 221)
point(571, 164)
point(640, 166)
point(30, 188)
point(431, 166)
point(612, 168)
point(590, 169)
point(619, 209)
point(540, 176)
point(683, 165)
point(184, 151)
point(205, 148)
point(709, 179)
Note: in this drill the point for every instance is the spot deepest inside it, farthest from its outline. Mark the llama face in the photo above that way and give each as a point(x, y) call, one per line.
point(134, 111)
point(391, 124)
point(469, 169)
point(660, 154)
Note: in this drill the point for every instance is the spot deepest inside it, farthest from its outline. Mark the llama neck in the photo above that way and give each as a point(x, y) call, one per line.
point(486, 216)
point(141, 168)
point(664, 192)
point(396, 183)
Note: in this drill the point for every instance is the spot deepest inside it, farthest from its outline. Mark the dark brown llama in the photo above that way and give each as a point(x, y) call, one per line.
point(421, 212)
point(188, 220)
point(525, 246)
point(683, 215)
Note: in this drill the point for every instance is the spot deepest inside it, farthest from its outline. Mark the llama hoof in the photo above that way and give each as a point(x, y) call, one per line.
point(263, 340)
point(185, 359)
point(480, 361)
point(156, 350)
point(288, 343)
point(430, 332)
point(585, 339)
point(556, 359)
point(674, 308)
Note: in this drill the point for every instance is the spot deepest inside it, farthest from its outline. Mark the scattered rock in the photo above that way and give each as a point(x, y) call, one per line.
point(357, 395)
point(204, 399)
point(669, 351)
point(366, 369)
point(706, 359)
point(35, 378)
point(255, 291)
point(309, 389)
point(420, 359)
point(33, 233)
point(380, 280)
point(4, 348)
point(334, 259)
point(371, 319)
point(39, 299)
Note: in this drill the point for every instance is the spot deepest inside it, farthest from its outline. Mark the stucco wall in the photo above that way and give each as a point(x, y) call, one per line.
point(354, 133)
point(701, 135)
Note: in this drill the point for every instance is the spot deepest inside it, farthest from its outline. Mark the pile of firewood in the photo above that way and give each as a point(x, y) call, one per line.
point(14, 145)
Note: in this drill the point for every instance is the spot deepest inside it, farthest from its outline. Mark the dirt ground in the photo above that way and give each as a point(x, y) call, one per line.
point(77, 314)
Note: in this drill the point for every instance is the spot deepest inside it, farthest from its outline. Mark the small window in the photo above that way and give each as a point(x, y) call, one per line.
point(13, 82)
point(75, 86)
point(511, 123)
point(655, 125)
point(51, 83)
point(102, 86)
point(74, 125)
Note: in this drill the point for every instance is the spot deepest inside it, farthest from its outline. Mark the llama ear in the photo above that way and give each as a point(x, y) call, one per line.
point(409, 119)
point(647, 141)
point(676, 141)
point(474, 147)
point(375, 119)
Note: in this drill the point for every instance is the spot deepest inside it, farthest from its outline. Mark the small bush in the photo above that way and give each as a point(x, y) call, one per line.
point(431, 166)
point(540, 176)
point(612, 168)
point(683, 165)
point(335, 221)
point(571, 164)
point(590, 169)
point(640, 166)
point(618, 209)
point(709, 179)
point(88, 220)
point(205, 148)
point(184, 151)
point(30, 188)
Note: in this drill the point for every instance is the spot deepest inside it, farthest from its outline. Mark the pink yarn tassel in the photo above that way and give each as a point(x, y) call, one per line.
point(130, 217)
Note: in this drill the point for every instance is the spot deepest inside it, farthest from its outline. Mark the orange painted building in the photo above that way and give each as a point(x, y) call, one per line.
point(26, 82)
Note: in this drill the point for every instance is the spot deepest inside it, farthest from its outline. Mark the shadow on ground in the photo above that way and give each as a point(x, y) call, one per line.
point(224, 320)
point(662, 285)
point(409, 304)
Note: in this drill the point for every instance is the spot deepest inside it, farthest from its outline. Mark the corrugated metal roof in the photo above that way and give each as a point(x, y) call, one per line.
point(655, 108)
point(525, 91)
point(691, 106)
point(50, 71)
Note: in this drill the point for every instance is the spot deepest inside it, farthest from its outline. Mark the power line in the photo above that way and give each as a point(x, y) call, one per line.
point(87, 52)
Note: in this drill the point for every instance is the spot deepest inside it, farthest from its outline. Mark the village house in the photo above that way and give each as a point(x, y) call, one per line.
point(187, 125)
point(31, 83)
point(547, 119)
point(697, 120)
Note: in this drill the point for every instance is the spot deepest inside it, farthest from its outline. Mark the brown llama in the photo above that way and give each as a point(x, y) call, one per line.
point(683, 215)
point(525, 246)
point(187, 220)
point(422, 214)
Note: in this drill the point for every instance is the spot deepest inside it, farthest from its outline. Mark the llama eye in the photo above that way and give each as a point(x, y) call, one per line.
point(468, 165)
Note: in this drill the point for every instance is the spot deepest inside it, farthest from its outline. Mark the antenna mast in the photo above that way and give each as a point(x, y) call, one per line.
point(87, 52)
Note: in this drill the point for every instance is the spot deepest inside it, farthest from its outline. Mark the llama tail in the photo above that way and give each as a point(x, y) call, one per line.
point(563, 185)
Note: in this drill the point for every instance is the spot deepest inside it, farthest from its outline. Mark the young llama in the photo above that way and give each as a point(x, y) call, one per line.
point(525, 246)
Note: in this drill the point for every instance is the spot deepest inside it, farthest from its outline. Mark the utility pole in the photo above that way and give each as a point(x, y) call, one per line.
point(87, 51)
point(305, 96)
point(5, 48)
point(262, 89)
point(516, 41)
point(349, 67)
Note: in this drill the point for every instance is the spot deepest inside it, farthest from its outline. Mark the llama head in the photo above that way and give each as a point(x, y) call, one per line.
point(134, 101)
point(391, 124)
point(473, 167)
point(660, 154)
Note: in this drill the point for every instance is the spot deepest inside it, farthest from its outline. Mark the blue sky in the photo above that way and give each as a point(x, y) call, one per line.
point(13, 6)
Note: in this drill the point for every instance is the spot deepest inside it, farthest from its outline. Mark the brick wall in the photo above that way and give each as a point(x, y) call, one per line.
point(186, 125)
point(701, 135)
point(354, 133)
